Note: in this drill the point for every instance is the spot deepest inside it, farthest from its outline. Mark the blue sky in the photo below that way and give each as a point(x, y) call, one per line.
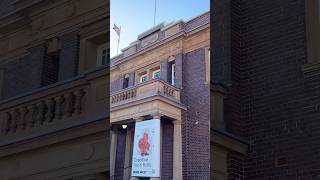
point(136, 16)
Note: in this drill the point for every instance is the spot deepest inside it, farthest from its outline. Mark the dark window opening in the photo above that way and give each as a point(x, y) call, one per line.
point(108, 57)
point(50, 70)
point(126, 82)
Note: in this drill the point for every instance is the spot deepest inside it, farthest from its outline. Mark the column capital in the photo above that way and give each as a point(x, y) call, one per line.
point(134, 178)
point(156, 116)
point(113, 127)
point(176, 122)
point(138, 118)
point(130, 127)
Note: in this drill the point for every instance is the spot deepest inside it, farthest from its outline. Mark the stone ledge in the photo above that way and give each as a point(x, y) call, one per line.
point(228, 141)
point(311, 69)
point(58, 136)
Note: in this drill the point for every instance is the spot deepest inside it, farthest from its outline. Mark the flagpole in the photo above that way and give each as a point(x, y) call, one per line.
point(118, 42)
point(155, 11)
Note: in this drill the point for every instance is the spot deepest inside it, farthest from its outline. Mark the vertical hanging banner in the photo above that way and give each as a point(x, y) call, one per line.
point(146, 149)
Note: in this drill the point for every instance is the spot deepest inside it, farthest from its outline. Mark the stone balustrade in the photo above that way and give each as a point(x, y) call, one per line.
point(124, 95)
point(145, 90)
point(54, 108)
point(42, 111)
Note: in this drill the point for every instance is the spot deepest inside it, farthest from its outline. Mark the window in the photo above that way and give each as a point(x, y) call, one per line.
point(156, 74)
point(173, 73)
point(143, 78)
point(126, 82)
point(50, 68)
point(103, 55)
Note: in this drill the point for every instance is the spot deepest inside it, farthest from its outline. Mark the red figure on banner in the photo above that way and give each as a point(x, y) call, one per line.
point(144, 144)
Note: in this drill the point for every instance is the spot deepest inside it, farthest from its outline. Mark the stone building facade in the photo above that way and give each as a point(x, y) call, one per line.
point(266, 64)
point(53, 89)
point(164, 75)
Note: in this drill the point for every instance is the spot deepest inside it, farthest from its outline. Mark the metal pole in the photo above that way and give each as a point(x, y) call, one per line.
point(118, 41)
point(118, 46)
point(155, 11)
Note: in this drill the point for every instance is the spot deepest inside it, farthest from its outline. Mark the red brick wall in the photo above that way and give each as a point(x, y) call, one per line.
point(235, 167)
point(195, 94)
point(279, 105)
point(167, 150)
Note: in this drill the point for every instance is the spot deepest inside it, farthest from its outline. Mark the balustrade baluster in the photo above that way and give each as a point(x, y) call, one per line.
point(22, 118)
point(40, 113)
point(58, 107)
point(79, 94)
point(130, 94)
point(30, 118)
point(67, 109)
point(50, 110)
point(126, 95)
point(6, 123)
point(13, 124)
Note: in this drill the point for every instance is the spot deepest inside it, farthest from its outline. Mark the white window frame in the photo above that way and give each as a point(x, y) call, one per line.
point(173, 73)
point(100, 50)
point(208, 65)
point(154, 73)
point(142, 76)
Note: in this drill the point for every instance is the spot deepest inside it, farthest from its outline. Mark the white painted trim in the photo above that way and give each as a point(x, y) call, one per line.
point(173, 69)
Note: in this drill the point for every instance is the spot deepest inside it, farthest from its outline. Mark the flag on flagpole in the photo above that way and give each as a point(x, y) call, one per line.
point(117, 29)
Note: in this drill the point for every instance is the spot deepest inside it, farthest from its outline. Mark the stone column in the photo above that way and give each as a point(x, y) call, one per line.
point(177, 150)
point(158, 116)
point(217, 113)
point(179, 70)
point(69, 55)
point(164, 70)
point(131, 79)
point(113, 151)
point(121, 79)
point(149, 74)
point(128, 154)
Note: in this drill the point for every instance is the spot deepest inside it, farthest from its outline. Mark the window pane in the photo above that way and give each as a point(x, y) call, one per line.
point(144, 78)
point(156, 75)
point(173, 74)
